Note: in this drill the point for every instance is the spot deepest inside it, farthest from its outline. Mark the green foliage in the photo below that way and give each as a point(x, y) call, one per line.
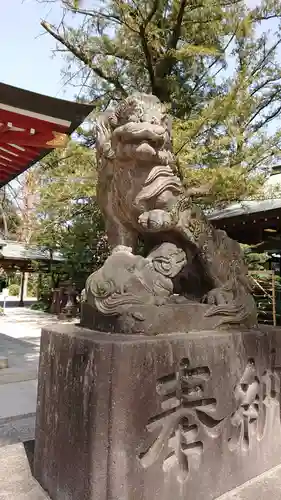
point(14, 290)
point(255, 261)
point(214, 63)
point(152, 45)
point(32, 285)
point(40, 306)
point(85, 244)
point(224, 184)
point(45, 286)
point(9, 218)
point(14, 278)
point(67, 217)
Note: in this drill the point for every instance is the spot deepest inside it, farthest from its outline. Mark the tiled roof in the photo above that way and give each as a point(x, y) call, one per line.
point(31, 125)
point(244, 208)
point(18, 251)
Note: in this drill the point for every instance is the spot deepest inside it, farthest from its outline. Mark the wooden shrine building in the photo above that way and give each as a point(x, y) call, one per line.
point(31, 125)
point(17, 257)
point(256, 223)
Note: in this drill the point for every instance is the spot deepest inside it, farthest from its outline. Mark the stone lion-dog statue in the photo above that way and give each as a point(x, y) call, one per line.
point(141, 197)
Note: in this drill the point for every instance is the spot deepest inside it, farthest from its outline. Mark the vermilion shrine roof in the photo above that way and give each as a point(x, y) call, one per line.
point(31, 125)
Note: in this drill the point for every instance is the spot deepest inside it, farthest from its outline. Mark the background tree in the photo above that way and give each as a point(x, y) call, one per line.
point(214, 62)
point(217, 66)
point(66, 216)
point(10, 220)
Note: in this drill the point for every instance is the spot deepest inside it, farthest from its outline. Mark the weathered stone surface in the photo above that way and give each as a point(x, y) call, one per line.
point(267, 485)
point(16, 480)
point(141, 197)
point(127, 279)
point(140, 418)
point(150, 319)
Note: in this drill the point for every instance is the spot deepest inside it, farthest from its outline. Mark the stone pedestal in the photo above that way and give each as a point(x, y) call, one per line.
point(179, 416)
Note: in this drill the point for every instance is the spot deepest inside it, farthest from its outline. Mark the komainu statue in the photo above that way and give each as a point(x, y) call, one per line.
point(193, 276)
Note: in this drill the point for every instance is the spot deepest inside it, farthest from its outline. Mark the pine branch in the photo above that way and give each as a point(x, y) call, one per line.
point(164, 66)
point(265, 57)
point(145, 45)
point(176, 32)
point(267, 119)
point(260, 161)
point(84, 58)
point(152, 12)
point(262, 85)
point(266, 17)
point(202, 79)
point(148, 57)
point(91, 13)
point(260, 108)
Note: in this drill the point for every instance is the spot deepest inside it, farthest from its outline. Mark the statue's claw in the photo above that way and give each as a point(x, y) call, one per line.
point(155, 220)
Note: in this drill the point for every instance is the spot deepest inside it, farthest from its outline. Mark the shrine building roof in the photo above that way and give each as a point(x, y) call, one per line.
point(31, 125)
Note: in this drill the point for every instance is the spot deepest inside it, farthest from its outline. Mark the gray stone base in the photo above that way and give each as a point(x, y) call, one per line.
point(16, 482)
point(179, 416)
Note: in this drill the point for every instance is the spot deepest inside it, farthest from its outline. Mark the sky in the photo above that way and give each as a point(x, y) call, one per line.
point(26, 55)
point(27, 59)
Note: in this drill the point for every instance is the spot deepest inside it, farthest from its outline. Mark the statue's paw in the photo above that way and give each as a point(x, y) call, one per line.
point(155, 220)
point(216, 297)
